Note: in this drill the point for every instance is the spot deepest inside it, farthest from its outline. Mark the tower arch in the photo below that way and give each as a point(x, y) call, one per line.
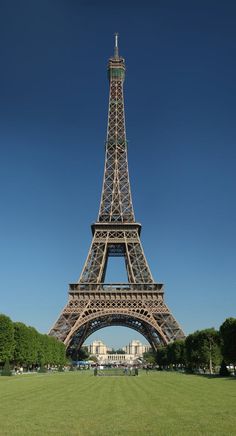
point(142, 323)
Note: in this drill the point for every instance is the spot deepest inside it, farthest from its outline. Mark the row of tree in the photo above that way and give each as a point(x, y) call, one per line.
point(205, 349)
point(24, 346)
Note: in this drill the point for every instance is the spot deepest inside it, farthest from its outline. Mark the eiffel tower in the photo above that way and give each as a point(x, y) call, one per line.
point(94, 304)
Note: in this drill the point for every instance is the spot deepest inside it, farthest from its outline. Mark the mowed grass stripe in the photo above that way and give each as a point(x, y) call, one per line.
point(81, 404)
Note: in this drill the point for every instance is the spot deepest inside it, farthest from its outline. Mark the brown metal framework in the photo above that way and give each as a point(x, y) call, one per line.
point(138, 304)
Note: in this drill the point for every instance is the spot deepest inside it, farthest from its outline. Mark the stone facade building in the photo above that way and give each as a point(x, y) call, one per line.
point(132, 352)
point(136, 348)
point(97, 347)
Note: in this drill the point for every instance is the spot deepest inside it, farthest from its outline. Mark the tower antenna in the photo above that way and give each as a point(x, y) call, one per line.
point(116, 50)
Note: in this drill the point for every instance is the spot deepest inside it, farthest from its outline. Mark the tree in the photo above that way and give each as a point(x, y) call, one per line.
point(191, 350)
point(7, 342)
point(93, 358)
point(112, 351)
point(176, 352)
point(51, 351)
point(228, 334)
point(214, 348)
point(61, 353)
point(179, 348)
point(44, 351)
point(23, 344)
point(150, 357)
point(57, 351)
point(120, 351)
point(210, 348)
point(161, 357)
point(34, 347)
point(81, 354)
point(26, 346)
point(6, 369)
point(203, 349)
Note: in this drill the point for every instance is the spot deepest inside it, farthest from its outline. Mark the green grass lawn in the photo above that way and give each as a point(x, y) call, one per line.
point(77, 403)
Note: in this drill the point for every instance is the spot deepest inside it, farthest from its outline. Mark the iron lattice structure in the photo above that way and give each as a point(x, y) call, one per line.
point(138, 304)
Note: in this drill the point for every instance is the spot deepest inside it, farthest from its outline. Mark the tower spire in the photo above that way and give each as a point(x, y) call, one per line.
point(116, 50)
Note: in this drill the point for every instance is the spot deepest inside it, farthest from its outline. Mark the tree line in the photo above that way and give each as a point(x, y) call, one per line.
point(206, 350)
point(25, 346)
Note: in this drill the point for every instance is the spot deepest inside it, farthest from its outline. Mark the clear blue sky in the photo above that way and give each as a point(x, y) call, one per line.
point(180, 94)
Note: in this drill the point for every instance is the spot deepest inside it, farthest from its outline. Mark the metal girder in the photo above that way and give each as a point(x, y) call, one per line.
point(116, 203)
point(125, 243)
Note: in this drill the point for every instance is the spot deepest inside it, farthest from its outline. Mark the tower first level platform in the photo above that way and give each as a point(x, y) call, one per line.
point(94, 306)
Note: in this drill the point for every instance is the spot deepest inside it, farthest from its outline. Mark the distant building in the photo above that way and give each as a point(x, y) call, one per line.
point(98, 347)
point(116, 359)
point(133, 351)
point(136, 348)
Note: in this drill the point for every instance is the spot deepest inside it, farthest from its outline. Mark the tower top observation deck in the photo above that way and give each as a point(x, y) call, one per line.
point(116, 65)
